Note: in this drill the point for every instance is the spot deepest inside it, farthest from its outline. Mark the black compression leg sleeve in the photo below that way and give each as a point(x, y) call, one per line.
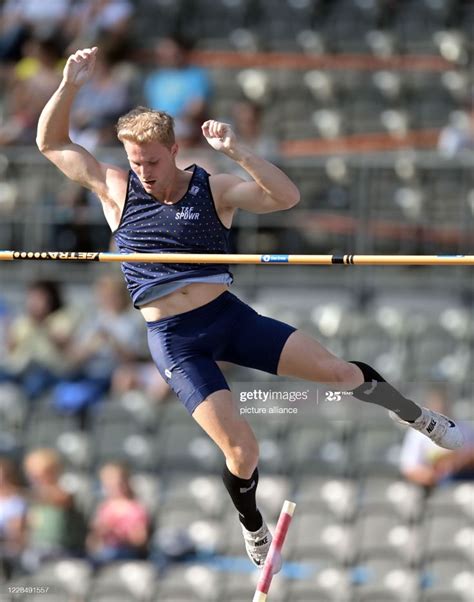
point(377, 390)
point(242, 492)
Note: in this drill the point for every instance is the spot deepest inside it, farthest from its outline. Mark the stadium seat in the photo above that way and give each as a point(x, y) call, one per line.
point(136, 579)
point(452, 498)
point(45, 425)
point(376, 448)
point(316, 533)
point(185, 446)
point(392, 496)
point(272, 491)
point(316, 450)
point(203, 493)
point(320, 579)
point(448, 534)
point(189, 582)
point(118, 441)
point(336, 497)
point(385, 576)
point(75, 449)
point(148, 489)
point(447, 579)
point(445, 596)
point(376, 532)
point(240, 587)
point(72, 576)
point(13, 407)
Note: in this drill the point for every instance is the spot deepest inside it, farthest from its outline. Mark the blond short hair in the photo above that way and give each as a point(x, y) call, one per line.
point(142, 125)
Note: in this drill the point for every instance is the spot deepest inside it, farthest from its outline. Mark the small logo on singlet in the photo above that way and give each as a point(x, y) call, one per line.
point(194, 190)
point(187, 213)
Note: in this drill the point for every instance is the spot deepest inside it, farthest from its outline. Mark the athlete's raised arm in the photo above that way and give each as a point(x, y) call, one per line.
point(270, 190)
point(107, 181)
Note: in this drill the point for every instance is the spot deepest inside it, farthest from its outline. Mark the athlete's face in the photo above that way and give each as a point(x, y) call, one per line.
point(153, 163)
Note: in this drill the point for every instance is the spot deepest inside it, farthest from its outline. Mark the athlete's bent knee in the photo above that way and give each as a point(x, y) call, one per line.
point(348, 375)
point(242, 459)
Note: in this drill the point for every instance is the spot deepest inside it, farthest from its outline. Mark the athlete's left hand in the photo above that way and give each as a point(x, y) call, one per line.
point(219, 135)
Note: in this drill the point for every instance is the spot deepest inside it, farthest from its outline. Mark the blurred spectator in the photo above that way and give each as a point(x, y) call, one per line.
point(114, 333)
point(427, 464)
point(54, 526)
point(177, 87)
point(79, 225)
point(12, 516)
point(458, 136)
point(33, 80)
point(94, 20)
point(247, 122)
point(100, 102)
point(111, 335)
point(246, 119)
point(22, 19)
point(193, 148)
point(120, 528)
point(38, 341)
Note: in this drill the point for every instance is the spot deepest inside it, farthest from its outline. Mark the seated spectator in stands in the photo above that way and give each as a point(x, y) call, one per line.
point(32, 82)
point(94, 20)
point(54, 527)
point(193, 148)
point(38, 340)
point(120, 528)
point(142, 377)
point(12, 516)
point(247, 121)
point(111, 336)
point(114, 334)
point(426, 464)
point(99, 103)
point(176, 86)
point(22, 19)
point(458, 137)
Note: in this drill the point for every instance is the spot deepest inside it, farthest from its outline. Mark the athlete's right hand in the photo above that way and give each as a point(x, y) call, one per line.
point(79, 66)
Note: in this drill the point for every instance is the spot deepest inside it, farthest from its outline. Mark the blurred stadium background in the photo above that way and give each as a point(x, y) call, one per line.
point(368, 106)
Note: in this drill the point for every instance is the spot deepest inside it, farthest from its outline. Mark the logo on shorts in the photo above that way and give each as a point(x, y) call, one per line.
point(187, 214)
point(168, 373)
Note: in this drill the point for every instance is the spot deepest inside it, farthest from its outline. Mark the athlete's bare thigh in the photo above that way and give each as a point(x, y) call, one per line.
point(304, 357)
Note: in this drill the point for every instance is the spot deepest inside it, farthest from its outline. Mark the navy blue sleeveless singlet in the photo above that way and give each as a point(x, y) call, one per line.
point(191, 225)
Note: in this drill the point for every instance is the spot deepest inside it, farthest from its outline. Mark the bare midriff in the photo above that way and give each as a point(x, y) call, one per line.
point(184, 299)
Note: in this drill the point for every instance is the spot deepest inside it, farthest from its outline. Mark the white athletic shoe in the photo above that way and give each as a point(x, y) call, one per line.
point(439, 428)
point(257, 544)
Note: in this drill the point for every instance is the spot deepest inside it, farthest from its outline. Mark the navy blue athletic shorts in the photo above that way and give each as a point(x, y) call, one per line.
point(185, 347)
